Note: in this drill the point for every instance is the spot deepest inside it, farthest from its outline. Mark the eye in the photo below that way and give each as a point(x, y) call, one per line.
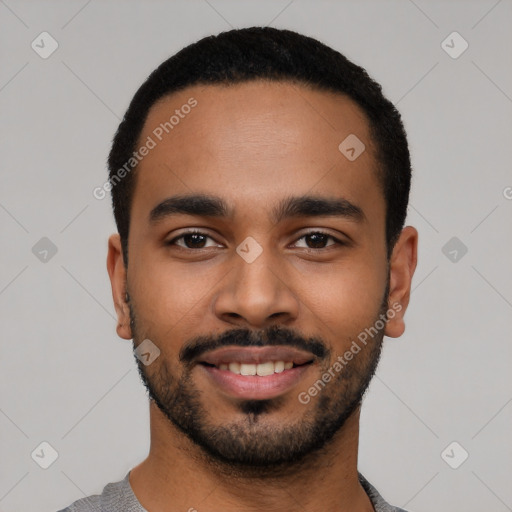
point(193, 240)
point(317, 240)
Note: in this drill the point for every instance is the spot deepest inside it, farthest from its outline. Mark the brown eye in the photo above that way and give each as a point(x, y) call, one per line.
point(193, 240)
point(317, 240)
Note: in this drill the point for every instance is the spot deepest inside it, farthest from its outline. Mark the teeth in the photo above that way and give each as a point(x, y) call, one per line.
point(261, 369)
point(247, 369)
point(279, 366)
point(235, 368)
point(264, 369)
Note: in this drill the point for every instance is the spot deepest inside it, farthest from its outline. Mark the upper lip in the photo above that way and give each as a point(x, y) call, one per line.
point(256, 355)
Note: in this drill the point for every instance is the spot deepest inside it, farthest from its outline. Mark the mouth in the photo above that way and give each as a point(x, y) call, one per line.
point(256, 373)
point(261, 369)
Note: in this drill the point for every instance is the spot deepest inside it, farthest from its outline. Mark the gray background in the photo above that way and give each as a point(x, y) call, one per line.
point(68, 380)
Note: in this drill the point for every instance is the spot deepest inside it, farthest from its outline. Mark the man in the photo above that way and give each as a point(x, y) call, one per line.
point(260, 183)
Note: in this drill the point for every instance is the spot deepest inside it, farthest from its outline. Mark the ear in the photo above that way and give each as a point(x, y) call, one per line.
point(117, 273)
point(402, 266)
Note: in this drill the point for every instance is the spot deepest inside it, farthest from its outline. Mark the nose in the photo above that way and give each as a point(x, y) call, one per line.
point(257, 294)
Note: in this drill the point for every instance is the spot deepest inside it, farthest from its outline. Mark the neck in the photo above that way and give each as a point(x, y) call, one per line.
point(177, 475)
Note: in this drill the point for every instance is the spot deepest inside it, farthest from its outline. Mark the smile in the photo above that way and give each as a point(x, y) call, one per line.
point(260, 369)
point(256, 373)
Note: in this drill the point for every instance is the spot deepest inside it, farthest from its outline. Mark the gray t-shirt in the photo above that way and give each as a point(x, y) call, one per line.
point(119, 497)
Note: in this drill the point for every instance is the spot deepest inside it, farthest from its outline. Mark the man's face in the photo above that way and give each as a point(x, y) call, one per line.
point(253, 286)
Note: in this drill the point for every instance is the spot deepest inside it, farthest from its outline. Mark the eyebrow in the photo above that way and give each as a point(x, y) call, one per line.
point(201, 205)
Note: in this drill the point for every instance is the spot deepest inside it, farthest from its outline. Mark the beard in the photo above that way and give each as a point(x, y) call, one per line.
point(254, 445)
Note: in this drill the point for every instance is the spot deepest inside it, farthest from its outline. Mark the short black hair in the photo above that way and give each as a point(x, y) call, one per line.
point(265, 53)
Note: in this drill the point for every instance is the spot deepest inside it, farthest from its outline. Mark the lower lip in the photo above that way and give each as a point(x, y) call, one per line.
point(253, 387)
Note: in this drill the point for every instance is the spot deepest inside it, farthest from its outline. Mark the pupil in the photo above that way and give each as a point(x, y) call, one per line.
point(318, 240)
point(196, 240)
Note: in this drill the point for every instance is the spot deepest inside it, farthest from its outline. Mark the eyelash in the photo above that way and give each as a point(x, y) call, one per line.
point(195, 232)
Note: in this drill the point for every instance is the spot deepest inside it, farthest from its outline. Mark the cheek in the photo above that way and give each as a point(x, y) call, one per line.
point(346, 300)
point(168, 293)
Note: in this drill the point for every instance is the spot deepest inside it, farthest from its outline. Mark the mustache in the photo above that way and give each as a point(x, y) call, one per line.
point(271, 336)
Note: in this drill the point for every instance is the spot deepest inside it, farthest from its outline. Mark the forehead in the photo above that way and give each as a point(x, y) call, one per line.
point(255, 142)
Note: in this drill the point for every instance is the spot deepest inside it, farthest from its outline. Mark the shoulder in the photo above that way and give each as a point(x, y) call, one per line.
point(377, 500)
point(115, 497)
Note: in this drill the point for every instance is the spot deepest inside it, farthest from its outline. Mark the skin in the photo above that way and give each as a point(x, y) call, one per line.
point(254, 144)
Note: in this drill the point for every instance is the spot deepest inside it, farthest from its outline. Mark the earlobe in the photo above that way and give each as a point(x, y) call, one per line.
point(117, 273)
point(402, 266)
